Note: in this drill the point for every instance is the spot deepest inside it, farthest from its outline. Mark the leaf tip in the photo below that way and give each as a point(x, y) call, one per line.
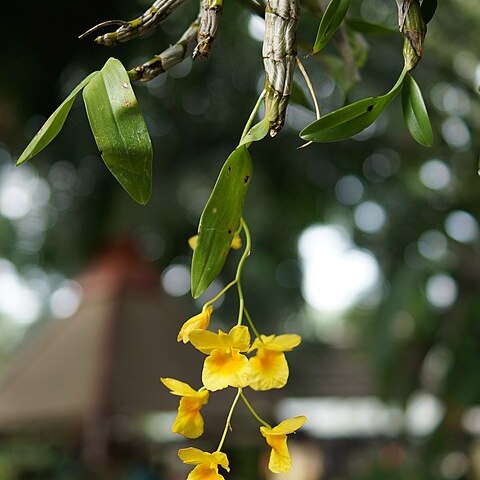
point(196, 289)
point(21, 160)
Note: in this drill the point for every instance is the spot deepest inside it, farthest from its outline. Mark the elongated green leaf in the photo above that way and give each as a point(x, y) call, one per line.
point(220, 219)
point(415, 113)
point(120, 130)
point(345, 122)
point(331, 20)
point(51, 128)
point(370, 28)
point(428, 9)
point(256, 133)
point(351, 119)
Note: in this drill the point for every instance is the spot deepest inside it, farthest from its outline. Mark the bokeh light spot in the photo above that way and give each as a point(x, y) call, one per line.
point(435, 175)
point(336, 274)
point(65, 300)
point(461, 226)
point(176, 280)
point(441, 290)
point(370, 217)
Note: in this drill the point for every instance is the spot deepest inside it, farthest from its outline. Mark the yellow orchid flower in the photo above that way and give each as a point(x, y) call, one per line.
point(225, 366)
point(276, 438)
point(201, 321)
point(206, 463)
point(269, 365)
point(189, 421)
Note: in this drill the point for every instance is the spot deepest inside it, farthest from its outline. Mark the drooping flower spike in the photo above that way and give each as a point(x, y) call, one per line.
point(206, 463)
point(189, 421)
point(225, 366)
point(201, 321)
point(269, 365)
point(276, 438)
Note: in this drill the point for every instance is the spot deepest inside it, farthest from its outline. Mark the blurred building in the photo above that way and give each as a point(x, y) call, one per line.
point(90, 383)
point(93, 378)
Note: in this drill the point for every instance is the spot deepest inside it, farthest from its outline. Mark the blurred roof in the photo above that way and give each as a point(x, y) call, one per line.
point(105, 361)
point(107, 358)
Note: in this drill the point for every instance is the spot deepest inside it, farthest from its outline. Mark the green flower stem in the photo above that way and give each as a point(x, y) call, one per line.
point(246, 253)
point(251, 118)
point(222, 292)
point(252, 411)
point(241, 303)
point(236, 280)
point(250, 322)
point(229, 418)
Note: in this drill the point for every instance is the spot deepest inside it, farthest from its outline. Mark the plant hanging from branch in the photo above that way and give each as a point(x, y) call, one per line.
point(233, 359)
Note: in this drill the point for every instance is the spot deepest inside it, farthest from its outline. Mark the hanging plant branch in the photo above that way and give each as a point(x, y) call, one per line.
point(170, 57)
point(138, 27)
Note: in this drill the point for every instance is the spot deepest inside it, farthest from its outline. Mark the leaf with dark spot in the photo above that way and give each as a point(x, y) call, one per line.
point(220, 219)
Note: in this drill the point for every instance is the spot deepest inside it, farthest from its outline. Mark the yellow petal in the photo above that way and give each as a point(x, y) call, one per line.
point(269, 370)
point(222, 370)
point(189, 421)
point(177, 387)
point(194, 456)
point(278, 343)
point(200, 321)
point(239, 338)
point(280, 460)
point(290, 425)
point(221, 459)
point(204, 340)
point(205, 472)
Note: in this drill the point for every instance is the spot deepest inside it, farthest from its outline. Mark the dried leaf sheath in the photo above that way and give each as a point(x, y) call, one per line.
point(210, 13)
point(142, 25)
point(279, 54)
point(170, 57)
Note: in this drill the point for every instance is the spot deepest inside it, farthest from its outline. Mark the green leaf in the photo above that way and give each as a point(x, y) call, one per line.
point(331, 20)
point(220, 219)
point(256, 133)
point(415, 113)
point(428, 9)
point(51, 128)
point(370, 28)
point(351, 119)
point(345, 122)
point(120, 130)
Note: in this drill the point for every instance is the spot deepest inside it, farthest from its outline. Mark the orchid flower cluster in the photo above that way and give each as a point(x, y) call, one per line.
point(232, 360)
